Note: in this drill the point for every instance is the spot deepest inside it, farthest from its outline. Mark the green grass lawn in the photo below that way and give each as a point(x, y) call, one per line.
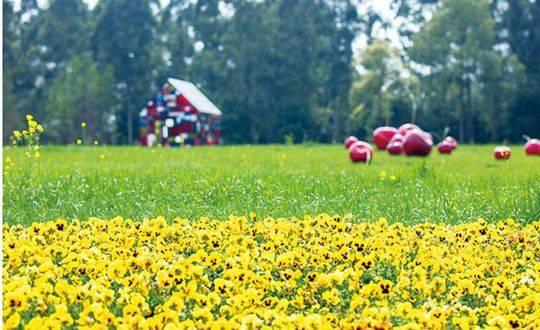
point(278, 181)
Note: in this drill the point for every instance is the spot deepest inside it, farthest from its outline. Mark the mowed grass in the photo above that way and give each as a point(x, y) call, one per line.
point(278, 181)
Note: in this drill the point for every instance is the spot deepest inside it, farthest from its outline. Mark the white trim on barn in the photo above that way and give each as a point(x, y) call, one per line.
point(143, 112)
point(194, 96)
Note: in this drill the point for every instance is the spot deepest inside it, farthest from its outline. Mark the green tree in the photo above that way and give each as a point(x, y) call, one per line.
point(518, 24)
point(22, 74)
point(457, 47)
point(81, 92)
point(337, 29)
point(387, 81)
point(124, 38)
point(174, 26)
point(274, 65)
point(38, 42)
point(61, 32)
point(9, 60)
point(502, 78)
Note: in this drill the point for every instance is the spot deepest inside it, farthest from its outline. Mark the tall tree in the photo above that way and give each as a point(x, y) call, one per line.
point(455, 45)
point(281, 61)
point(9, 60)
point(386, 82)
point(176, 22)
point(61, 32)
point(124, 38)
point(502, 78)
point(519, 26)
point(337, 29)
point(22, 74)
point(80, 93)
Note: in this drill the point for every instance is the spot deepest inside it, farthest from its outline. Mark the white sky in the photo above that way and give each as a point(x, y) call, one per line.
point(384, 10)
point(91, 3)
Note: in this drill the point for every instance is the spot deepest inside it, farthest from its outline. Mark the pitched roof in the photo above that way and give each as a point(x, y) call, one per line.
point(195, 96)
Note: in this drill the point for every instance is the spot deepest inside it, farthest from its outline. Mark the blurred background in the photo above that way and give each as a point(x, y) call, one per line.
point(295, 70)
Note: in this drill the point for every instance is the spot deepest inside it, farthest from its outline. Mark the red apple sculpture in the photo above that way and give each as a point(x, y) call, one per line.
point(451, 141)
point(532, 147)
point(395, 148)
point(445, 147)
point(502, 152)
point(396, 138)
point(360, 151)
point(417, 143)
point(403, 129)
point(383, 135)
point(364, 144)
point(349, 141)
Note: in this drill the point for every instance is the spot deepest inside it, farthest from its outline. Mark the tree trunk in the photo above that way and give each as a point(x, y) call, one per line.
point(413, 110)
point(129, 124)
point(493, 121)
point(470, 113)
point(336, 123)
point(461, 115)
point(386, 108)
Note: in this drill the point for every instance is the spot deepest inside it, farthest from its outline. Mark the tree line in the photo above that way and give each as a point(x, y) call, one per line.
point(276, 68)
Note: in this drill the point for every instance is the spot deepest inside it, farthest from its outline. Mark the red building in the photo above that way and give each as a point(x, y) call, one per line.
point(179, 114)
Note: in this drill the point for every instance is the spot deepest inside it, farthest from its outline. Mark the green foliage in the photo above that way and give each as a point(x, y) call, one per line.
point(81, 94)
point(278, 71)
point(124, 38)
point(271, 181)
point(62, 32)
point(519, 26)
point(458, 47)
point(387, 81)
point(281, 66)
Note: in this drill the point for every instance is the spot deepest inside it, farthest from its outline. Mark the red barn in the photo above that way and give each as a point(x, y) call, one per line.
point(179, 114)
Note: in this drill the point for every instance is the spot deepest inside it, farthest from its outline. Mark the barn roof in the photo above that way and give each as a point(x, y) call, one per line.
point(194, 96)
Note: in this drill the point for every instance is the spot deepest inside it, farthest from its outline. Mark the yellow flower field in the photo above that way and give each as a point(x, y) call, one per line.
point(316, 272)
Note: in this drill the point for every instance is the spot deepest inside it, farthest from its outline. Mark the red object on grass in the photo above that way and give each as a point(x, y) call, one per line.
point(502, 152)
point(417, 143)
point(532, 147)
point(396, 138)
point(360, 151)
point(349, 141)
point(383, 135)
point(445, 147)
point(451, 141)
point(395, 148)
point(403, 129)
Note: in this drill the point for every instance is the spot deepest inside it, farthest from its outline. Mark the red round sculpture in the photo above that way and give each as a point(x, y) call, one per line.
point(383, 135)
point(350, 140)
point(403, 129)
point(360, 151)
point(532, 147)
point(451, 141)
point(396, 138)
point(395, 148)
point(417, 143)
point(502, 152)
point(445, 147)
